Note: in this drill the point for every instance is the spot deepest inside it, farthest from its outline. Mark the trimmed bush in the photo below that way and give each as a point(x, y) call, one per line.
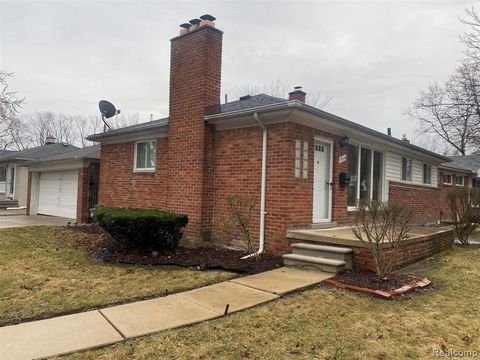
point(141, 228)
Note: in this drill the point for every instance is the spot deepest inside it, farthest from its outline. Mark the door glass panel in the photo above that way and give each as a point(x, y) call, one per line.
point(352, 170)
point(377, 175)
point(12, 179)
point(141, 150)
point(365, 173)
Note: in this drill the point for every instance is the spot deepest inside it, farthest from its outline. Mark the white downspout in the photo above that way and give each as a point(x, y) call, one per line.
point(261, 245)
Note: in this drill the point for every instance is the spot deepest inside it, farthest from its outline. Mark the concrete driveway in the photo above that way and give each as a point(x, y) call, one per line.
point(12, 221)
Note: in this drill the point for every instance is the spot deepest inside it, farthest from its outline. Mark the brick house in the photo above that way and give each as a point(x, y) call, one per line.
point(305, 166)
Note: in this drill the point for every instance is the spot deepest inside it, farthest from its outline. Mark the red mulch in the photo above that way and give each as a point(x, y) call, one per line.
point(106, 249)
point(368, 279)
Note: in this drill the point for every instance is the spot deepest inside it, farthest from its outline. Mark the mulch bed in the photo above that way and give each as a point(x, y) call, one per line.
point(106, 249)
point(366, 282)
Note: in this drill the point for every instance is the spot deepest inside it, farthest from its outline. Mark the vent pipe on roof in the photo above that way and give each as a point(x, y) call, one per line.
point(404, 138)
point(50, 139)
point(389, 131)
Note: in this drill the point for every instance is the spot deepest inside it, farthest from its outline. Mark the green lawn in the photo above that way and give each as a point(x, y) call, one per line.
point(42, 275)
point(326, 323)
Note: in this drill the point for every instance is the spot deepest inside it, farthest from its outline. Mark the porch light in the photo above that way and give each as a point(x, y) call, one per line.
point(344, 141)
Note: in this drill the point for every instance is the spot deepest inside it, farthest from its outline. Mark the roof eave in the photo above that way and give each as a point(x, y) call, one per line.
point(310, 109)
point(119, 132)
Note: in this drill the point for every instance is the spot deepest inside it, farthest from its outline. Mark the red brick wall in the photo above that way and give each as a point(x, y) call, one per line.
point(85, 176)
point(289, 199)
point(406, 254)
point(120, 186)
point(195, 72)
point(427, 202)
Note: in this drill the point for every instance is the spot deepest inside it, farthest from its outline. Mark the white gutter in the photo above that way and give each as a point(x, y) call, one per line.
point(261, 245)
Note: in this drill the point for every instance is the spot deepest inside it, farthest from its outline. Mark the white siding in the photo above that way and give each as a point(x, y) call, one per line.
point(417, 172)
point(434, 176)
point(393, 170)
point(393, 167)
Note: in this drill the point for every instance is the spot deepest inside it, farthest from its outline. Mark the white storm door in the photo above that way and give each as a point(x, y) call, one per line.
point(58, 194)
point(321, 182)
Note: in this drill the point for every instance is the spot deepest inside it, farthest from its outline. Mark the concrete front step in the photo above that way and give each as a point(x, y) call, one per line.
point(8, 203)
point(324, 251)
point(325, 225)
point(313, 263)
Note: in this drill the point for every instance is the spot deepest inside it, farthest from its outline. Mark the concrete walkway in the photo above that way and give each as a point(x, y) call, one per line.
point(12, 221)
point(71, 333)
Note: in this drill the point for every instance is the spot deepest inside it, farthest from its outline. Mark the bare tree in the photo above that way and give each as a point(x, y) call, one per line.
point(383, 228)
point(236, 223)
point(464, 206)
point(278, 89)
point(451, 111)
point(71, 129)
point(471, 38)
point(10, 104)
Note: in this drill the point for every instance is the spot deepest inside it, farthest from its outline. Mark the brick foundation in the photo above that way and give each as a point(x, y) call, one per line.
point(407, 254)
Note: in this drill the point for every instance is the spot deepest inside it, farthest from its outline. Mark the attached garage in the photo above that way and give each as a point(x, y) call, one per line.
point(65, 185)
point(57, 193)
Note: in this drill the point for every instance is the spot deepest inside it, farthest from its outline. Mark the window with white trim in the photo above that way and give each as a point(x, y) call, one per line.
point(459, 180)
point(427, 174)
point(447, 179)
point(145, 155)
point(301, 158)
point(406, 169)
point(3, 174)
point(365, 167)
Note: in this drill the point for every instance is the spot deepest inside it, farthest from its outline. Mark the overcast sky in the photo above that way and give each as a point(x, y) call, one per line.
point(372, 57)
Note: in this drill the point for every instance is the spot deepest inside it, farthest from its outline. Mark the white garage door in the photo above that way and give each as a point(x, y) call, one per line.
point(58, 193)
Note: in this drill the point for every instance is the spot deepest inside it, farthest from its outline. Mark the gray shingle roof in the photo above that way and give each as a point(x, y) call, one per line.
point(252, 102)
point(465, 163)
point(5, 152)
point(91, 152)
point(248, 103)
point(132, 128)
point(39, 152)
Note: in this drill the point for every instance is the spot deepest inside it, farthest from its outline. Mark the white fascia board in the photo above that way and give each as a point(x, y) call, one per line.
point(59, 165)
point(143, 135)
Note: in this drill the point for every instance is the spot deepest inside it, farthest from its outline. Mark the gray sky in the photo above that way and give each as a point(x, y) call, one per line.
point(373, 58)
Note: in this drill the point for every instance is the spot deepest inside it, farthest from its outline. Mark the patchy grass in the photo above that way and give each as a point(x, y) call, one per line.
point(42, 275)
point(326, 323)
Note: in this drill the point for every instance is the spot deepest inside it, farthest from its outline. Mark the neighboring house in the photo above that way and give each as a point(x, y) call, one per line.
point(65, 184)
point(461, 171)
point(304, 165)
point(3, 174)
point(13, 165)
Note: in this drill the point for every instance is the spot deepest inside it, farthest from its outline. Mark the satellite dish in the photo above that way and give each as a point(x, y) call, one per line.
point(107, 109)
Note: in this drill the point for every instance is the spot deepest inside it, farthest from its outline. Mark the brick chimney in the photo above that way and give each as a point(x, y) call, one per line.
point(297, 94)
point(195, 77)
point(50, 139)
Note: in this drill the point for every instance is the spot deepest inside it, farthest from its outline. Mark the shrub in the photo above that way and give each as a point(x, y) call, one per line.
point(464, 205)
point(235, 223)
point(383, 228)
point(142, 229)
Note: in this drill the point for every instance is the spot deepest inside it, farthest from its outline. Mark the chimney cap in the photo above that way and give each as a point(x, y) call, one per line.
point(297, 90)
point(208, 17)
point(185, 25)
point(195, 21)
point(50, 139)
